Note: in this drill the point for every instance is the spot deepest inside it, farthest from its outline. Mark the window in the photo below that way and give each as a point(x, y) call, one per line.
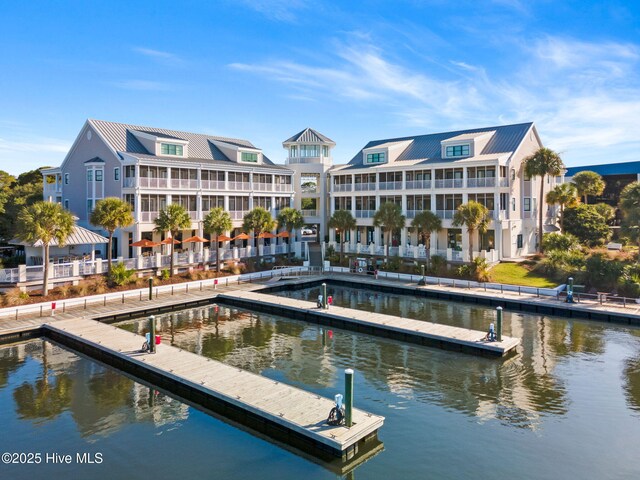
point(309, 150)
point(90, 175)
point(66, 204)
point(527, 178)
point(249, 157)
point(294, 151)
point(519, 241)
point(375, 157)
point(130, 199)
point(89, 206)
point(457, 150)
point(526, 204)
point(325, 151)
point(98, 175)
point(171, 149)
point(116, 174)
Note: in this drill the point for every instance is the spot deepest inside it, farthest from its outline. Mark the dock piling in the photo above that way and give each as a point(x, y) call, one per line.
point(152, 334)
point(150, 288)
point(348, 401)
point(324, 296)
point(499, 325)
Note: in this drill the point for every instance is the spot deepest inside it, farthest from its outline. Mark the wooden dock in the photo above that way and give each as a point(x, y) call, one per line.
point(415, 331)
point(279, 411)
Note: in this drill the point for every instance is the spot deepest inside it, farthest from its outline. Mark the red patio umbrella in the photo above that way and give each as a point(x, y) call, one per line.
point(223, 238)
point(266, 235)
point(195, 239)
point(242, 236)
point(169, 241)
point(284, 234)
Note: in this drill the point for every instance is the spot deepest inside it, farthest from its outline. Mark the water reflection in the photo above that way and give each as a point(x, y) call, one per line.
point(518, 391)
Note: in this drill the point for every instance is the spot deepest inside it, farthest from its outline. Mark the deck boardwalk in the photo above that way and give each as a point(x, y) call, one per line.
point(286, 413)
point(427, 333)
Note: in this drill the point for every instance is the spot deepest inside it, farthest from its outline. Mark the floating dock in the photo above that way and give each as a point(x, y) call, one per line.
point(404, 329)
point(286, 414)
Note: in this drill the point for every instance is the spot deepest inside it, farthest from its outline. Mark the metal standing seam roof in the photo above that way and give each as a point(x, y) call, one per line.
point(79, 236)
point(309, 135)
point(624, 168)
point(428, 148)
point(121, 139)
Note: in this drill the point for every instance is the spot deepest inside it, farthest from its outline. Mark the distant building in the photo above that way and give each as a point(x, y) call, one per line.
point(616, 176)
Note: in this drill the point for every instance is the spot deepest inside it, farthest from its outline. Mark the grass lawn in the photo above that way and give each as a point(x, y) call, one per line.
point(517, 274)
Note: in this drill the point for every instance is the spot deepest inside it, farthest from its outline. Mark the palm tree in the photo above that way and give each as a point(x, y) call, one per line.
point(111, 213)
point(588, 183)
point(290, 219)
point(46, 222)
point(564, 195)
point(342, 221)
point(475, 217)
point(216, 222)
point(543, 162)
point(259, 221)
point(172, 219)
point(630, 207)
point(389, 217)
point(426, 222)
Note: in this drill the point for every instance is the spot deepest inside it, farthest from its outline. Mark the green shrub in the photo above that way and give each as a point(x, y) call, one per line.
point(15, 297)
point(437, 265)
point(563, 263)
point(478, 270)
point(558, 241)
point(589, 226)
point(602, 272)
point(165, 274)
point(120, 274)
point(629, 282)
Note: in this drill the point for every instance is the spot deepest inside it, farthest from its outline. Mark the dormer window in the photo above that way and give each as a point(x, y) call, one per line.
point(457, 150)
point(171, 149)
point(249, 157)
point(376, 157)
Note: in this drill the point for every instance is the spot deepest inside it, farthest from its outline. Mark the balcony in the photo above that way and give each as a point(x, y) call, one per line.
point(129, 182)
point(390, 185)
point(342, 187)
point(302, 160)
point(504, 182)
point(282, 187)
point(418, 184)
point(449, 183)
point(212, 185)
point(148, 217)
point(481, 182)
point(310, 213)
point(365, 213)
point(237, 186)
point(238, 214)
point(413, 213)
point(193, 215)
point(445, 214)
point(365, 187)
point(183, 183)
point(52, 188)
point(263, 187)
point(148, 182)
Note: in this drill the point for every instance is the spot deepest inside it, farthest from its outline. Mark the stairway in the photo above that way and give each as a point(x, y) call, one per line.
point(315, 254)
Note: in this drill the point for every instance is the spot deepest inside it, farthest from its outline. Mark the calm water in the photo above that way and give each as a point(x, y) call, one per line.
point(566, 406)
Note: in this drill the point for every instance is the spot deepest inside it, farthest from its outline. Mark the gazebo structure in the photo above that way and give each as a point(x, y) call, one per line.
point(75, 246)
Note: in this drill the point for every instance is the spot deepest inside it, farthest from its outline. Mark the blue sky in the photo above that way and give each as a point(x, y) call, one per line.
point(355, 71)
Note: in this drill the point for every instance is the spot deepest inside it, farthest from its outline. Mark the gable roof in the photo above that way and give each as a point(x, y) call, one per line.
point(425, 149)
point(624, 168)
point(309, 135)
point(201, 147)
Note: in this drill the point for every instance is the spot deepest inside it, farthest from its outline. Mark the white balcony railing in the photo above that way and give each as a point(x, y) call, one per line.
point(263, 187)
point(212, 185)
point(235, 186)
point(150, 182)
point(446, 214)
point(238, 214)
point(365, 213)
point(342, 187)
point(449, 183)
point(481, 182)
point(418, 184)
point(193, 215)
point(390, 185)
point(283, 187)
point(504, 182)
point(148, 216)
point(187, 183)
point(365, 187)
point(309, 213)
point(128, 182)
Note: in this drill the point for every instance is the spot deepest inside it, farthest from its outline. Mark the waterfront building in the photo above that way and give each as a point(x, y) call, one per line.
point(152, 167)
point(309, 155)
point(440, 172)
point(616, 176)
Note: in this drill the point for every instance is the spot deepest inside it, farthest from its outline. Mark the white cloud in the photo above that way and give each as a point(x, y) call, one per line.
point(159, 55)
point(21, 153)
point(281, 10)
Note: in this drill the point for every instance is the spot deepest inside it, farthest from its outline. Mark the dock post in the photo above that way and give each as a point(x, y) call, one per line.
point(324, 296)
point(348, 393)
point(152, 334)
point(150, 288)
point(499, 325)
point(422, 280)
